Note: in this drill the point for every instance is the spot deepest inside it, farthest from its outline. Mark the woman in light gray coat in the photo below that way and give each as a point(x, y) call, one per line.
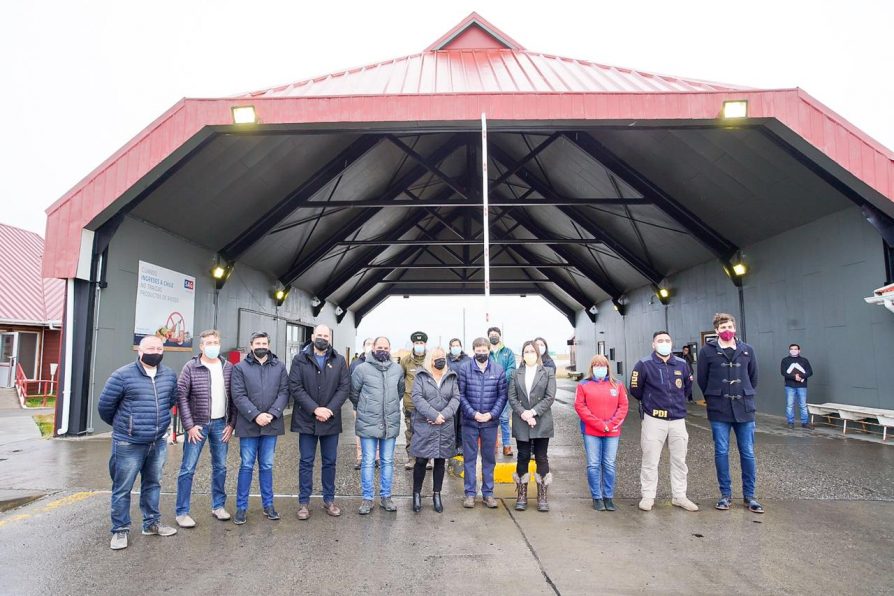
point(436, 399)
point(377, 388)
point(532, 391)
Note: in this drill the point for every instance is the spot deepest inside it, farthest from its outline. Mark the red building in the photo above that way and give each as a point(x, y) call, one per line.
point(30, 310)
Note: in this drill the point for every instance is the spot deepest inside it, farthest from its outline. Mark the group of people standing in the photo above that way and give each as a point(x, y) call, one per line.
point(452, 402)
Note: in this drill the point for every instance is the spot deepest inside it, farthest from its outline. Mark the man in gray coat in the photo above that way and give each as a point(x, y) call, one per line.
point(260, 392)
point(377, 387)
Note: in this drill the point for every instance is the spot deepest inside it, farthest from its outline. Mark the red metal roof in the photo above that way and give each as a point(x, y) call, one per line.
point(25, 296)
point(458, 85)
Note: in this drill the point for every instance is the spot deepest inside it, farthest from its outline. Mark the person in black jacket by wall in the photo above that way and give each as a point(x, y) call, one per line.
point(795, 370)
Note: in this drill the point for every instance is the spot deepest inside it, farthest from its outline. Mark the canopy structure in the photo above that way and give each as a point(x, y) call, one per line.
point(364, 184)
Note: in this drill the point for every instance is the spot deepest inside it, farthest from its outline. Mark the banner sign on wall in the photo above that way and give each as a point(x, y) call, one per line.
point(165, 306)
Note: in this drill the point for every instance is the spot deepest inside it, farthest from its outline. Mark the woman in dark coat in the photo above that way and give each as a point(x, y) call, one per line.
point(543, 350)
point(532, 391)
point(436, 398)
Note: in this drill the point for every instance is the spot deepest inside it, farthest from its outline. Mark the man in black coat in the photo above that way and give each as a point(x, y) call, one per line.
point(795, 370)
point(319, 384)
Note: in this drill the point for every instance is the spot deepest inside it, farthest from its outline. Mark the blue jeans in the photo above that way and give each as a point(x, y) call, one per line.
point(504, 425)
point(488, 435)
point(213, 434)
point(601, 452)
point(307, 447)
point(262, 450)
point(790, 393)
point(128, 460)
point(745, 442)
point(368, 448)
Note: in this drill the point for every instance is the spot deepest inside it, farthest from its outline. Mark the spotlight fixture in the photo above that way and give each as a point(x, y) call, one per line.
point(279, 295)
point(740, 269)
point(220, 272)
point(244, 115)
point(736, 108)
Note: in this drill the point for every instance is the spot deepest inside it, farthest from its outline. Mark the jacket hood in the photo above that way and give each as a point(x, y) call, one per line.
point(381, 365)
point(158, 369)
point(424, 372)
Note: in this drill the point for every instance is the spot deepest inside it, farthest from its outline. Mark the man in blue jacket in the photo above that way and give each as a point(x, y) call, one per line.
point(663, 383)
point(136, 401)
point(727, 375)
point(482, 396)
point(503, 356)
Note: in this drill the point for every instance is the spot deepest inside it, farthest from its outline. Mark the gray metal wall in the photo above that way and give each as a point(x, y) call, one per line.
point(805, 286)
point(245, 298)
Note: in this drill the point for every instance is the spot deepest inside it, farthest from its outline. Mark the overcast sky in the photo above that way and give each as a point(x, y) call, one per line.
point(80, 78)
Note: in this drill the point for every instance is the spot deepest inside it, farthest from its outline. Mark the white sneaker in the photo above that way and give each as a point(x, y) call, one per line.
point(220, 513)
point(646, 503)
point(185, 521)
point(159, 530)
point(685, 503)
point(119, 540)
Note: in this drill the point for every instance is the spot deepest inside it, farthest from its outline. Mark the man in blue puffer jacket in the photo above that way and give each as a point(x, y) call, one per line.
point(137, 401)
point(482, 396)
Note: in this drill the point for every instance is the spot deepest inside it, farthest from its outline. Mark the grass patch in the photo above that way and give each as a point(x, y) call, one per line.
point(45, 424)
point(36, 401)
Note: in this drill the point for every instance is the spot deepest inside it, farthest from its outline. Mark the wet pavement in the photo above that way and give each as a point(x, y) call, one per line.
point(829, 525)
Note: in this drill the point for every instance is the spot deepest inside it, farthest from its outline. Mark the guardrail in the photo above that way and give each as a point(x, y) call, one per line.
point(26, 387)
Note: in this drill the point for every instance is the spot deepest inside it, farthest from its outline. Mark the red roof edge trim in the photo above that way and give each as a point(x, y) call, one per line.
point(474, 19)
point(115, 156)
point(845, 123)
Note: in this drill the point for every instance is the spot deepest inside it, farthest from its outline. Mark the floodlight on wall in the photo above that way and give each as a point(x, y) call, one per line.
point(220, 272)
point(244, 115)
point(280, 294)
point(740, 269)
point(736, 108)
point(663, 294)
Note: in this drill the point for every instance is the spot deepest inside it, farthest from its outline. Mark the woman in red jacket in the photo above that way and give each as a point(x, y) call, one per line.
point(601, 403)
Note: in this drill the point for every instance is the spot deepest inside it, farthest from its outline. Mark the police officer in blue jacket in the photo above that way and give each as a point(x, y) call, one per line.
point(662, 383)
point(727, 375)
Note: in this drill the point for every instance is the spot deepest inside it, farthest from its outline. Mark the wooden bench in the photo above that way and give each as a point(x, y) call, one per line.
point(885, 418)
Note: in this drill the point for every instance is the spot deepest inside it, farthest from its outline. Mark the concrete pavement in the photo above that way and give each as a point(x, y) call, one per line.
point(829, 526)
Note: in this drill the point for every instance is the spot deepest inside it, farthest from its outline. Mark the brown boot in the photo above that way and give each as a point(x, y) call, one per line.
point(543, 483)
point(507, 451)
point(521, 486)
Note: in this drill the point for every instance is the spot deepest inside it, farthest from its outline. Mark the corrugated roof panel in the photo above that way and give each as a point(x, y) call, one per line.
point(25, 296)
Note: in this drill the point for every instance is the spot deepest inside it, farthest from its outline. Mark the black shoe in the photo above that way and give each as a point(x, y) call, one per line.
point(239, 518)
point(417, 502)
point(791, 426)
point(357, 465)
point(808, 426)
point(609, 504)
point(271, 513)
point(436, 500)
point(598, 505)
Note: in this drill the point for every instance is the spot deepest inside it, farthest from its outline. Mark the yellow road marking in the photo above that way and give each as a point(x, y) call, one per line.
point(50, 506)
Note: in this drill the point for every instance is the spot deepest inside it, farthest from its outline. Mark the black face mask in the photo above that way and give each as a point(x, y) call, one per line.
point(382, 355)
point(321, 344)
point(494, 340)
point(260, 352)
point(151, 359)
point(440, 363)
point(482, 357)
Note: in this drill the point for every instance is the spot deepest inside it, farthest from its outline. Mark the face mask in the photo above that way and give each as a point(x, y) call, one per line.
point(494, 339)
point(727, 335)
point(600, 372)
point(663, 348)
point(481, 358)
point(419, 350)
point(381, 355)
point(151, 359)
point(794, 353)
point(456, 351)
point(542, 350)
point(440, 363)
point(530, 359)
point(321, 344)
point(211, 351)
point(260, 352)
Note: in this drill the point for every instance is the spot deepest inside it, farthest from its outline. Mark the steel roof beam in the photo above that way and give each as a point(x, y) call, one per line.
point(721, 247)
point(274, 216)
point(553, 201)
point(473, 242)
point(430, 165)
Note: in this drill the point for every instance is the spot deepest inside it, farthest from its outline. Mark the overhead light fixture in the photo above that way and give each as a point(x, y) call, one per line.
point(740, 269)
point(220, 272)
point(280, 294)
point(736, 108)
point(244, 115)
point(663, 295)
point(315, 302)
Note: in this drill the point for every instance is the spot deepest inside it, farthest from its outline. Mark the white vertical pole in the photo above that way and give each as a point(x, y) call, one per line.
point(486, 219)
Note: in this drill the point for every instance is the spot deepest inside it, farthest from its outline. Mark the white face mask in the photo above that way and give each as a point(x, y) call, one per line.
point(530, 359)
point(211, 351)
point(541, 349)
point(664, 348)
